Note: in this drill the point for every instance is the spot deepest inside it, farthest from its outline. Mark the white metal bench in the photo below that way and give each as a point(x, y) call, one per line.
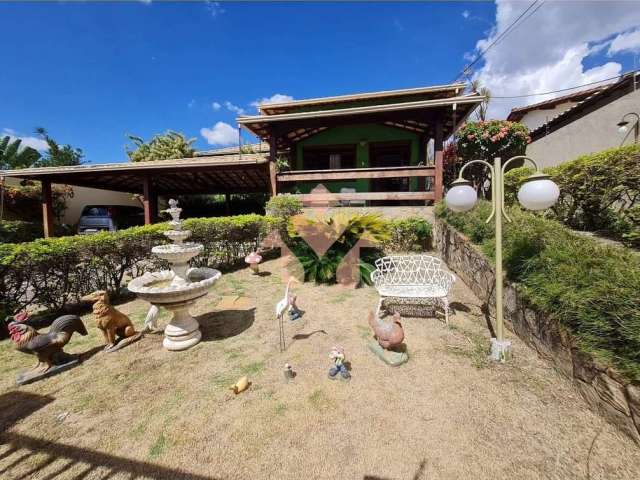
point(413, 279)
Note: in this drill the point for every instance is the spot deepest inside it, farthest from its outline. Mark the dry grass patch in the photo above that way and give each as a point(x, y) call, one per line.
point(447, 413)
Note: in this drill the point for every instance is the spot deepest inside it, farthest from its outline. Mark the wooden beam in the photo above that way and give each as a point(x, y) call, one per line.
point(47, 209)
point(273, 179)
point(439, 159)
point(355, 173)
point(331, 197)
point(147, 201)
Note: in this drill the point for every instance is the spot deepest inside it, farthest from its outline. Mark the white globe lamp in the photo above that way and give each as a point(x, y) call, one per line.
point(461, 197)
point(623, 127)
point(539, 192)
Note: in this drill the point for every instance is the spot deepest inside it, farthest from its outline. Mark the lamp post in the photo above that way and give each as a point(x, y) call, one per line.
point(538, 192)
point(623, 125)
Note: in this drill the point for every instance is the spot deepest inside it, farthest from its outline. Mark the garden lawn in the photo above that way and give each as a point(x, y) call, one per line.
point(144, 412)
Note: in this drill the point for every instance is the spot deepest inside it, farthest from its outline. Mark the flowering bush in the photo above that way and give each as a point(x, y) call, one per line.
point(493, 138)
point(485, 140)
point(24, 201)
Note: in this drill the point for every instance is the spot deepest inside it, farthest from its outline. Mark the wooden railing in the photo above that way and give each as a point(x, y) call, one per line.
point(363, 173)
point(356, 173)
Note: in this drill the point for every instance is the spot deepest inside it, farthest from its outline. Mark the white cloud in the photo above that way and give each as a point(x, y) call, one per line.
point(465, 14)
point(191, 103)
point(275, 98)
point(214, 8)
point(27, 141)
point(221, 134)
point(234, 108)
point(547, 51)
point(625, 42)
point(216, 106)
point(146, 2)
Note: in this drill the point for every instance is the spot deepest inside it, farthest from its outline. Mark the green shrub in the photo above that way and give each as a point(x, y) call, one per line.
point(473, 224)
point(591, 289)
point(598, 192)
point(17, 231)
point(412, 234)
point(53, 273)
point(23, 202)
point(283, 206)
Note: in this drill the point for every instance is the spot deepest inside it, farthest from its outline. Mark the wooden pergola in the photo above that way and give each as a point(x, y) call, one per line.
point(213, 174)
point(436, 115)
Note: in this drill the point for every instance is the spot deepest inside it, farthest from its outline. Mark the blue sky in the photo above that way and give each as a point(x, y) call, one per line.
point(91, 73)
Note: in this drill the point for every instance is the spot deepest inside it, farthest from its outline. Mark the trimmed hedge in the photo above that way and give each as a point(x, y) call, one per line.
point(53, 273)
point(598, 192)
point(18, 231)
point(56, 272)
point(592, 289)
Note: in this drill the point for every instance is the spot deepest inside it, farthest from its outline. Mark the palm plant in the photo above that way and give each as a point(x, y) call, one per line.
point(306, 235)
point(481, 112)
point(13, 157)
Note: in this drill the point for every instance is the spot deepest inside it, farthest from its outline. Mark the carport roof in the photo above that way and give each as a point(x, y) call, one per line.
point(246, 173)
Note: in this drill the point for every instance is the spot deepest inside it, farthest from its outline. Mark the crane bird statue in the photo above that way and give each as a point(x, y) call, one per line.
point(282, 308)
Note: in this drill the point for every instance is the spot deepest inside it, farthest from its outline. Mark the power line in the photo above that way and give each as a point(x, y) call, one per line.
point(500, 37)
point(493, 97)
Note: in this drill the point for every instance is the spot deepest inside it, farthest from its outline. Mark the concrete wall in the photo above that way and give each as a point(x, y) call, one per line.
point(535, 118)
point(83, 196)
point(87, 196)
point(592, 133)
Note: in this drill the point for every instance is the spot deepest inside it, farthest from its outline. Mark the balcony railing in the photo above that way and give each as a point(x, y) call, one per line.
point(362, 173)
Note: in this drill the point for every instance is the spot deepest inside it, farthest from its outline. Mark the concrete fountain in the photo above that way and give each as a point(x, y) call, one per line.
point(177, 289)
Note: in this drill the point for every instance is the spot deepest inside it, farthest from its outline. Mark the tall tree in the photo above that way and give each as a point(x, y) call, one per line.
point(167, 146)
point(58, 155)
point(13, 157)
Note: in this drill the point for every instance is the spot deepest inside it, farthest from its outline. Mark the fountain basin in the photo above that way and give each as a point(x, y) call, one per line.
point(177, 236)
point(178, 253)
point(177, 294)
point(164, 288)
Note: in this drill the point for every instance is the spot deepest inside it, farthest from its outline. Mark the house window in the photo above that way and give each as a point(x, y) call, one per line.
point(329, 157)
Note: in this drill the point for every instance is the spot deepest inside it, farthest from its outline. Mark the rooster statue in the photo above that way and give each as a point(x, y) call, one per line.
point(388, 334)
point(47, 346)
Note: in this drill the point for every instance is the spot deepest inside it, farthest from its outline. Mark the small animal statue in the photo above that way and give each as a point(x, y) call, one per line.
point(294, 311)
point(337, 355)
point(388, 334)
point(281, 308)
point(241, 385)
point(151, 320)
point(110, 320)
point(289, 374)
point(48, 347)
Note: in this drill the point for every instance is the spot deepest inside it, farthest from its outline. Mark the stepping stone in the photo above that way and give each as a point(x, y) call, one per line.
point(394, 358)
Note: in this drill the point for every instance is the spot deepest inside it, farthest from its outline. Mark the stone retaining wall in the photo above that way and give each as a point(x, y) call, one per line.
point(604, 390)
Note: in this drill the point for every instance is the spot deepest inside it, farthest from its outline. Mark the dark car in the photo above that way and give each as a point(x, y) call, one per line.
point(109, 218)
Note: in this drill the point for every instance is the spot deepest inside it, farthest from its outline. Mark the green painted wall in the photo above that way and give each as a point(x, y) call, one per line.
point(354, 134)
